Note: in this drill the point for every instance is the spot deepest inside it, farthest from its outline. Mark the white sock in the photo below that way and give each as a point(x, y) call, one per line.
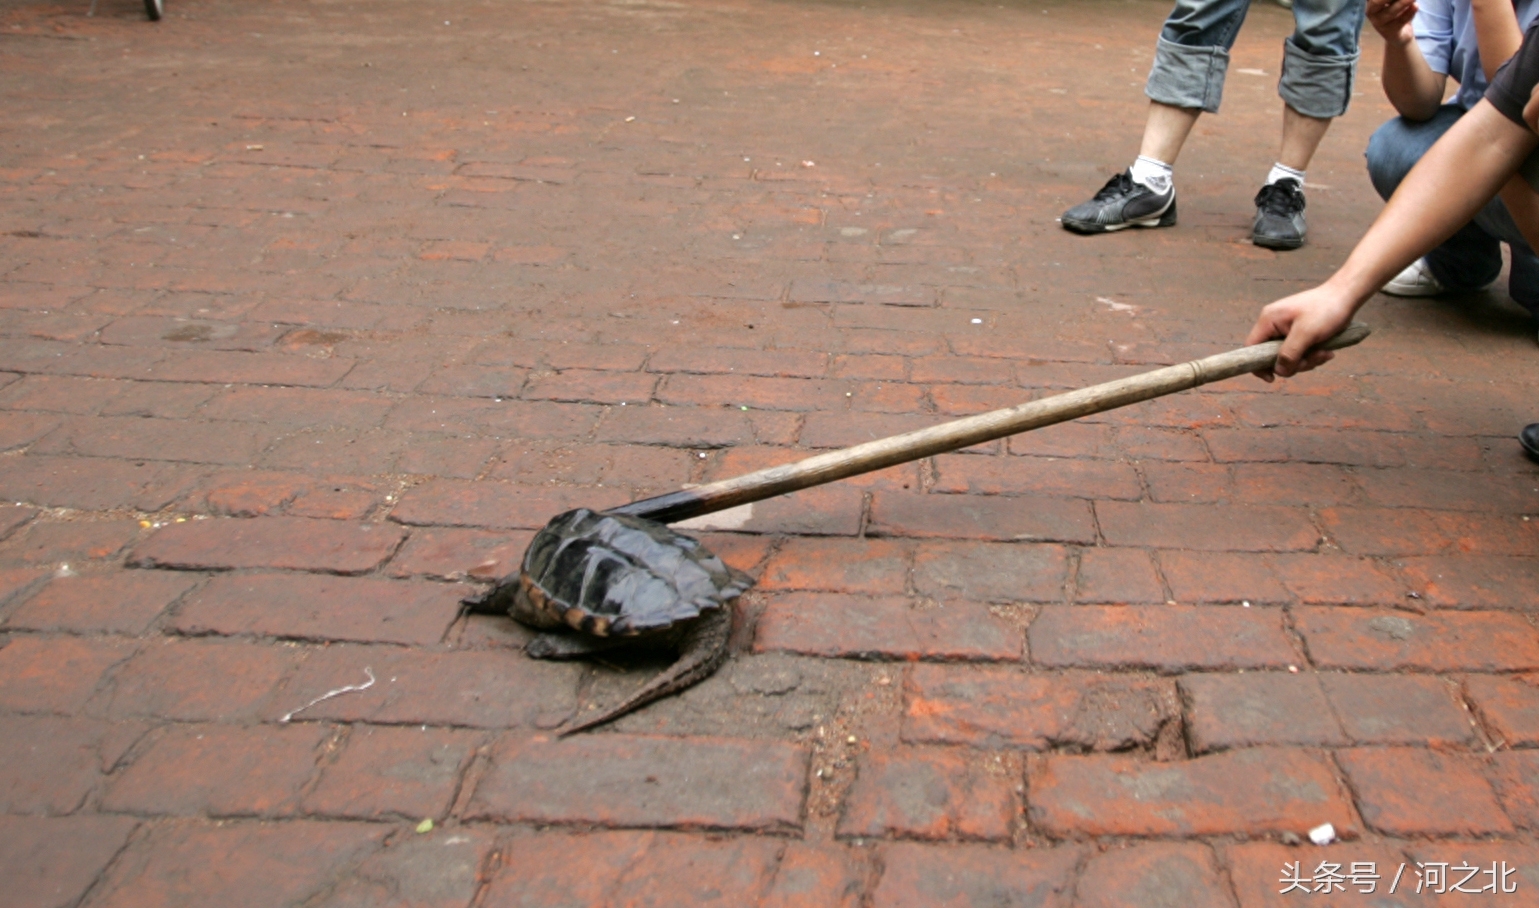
point(1157, 175)
point(1284, 172)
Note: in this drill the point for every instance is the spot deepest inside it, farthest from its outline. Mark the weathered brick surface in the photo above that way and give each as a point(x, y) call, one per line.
point(814, 878)
point(451, 553)
point(52, 861)
point(1515, 776)
point(285, 543)
point(1398, 709)
point(991, 517)
point(1253, 790)
point(466, 688)
point(71, 542)
point(961, 876)
point(872, 567)
point(1363, 872)
point(1407, 791)
point(992, 707)
point(1253, 528)
point(322, 607)
point(48, 765)
point(1108, 575)
point(884, 628)
point(931, 794)
point(1154, 874)
point(124, 602)
point(56, 674)
point(393, 771)
point(1256, 708)
point(1439, 641)
point(236, 864)
point(1221, 577)
point(1170, 637)
point(219, 770)
point(991, 572)
point(198, 679)
point(645, 781)
point(1508, 705)
point(442, 869)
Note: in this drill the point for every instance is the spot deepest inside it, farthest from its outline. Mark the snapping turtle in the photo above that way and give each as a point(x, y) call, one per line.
point(599, 581)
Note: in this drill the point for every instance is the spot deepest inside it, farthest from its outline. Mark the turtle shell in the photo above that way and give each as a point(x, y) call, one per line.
point(614, 574)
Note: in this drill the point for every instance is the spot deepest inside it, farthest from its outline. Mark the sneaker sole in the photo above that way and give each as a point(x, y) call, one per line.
point(1267, 243)
point(1168, 219)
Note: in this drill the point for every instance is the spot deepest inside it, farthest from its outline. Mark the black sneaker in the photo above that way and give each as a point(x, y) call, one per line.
point(1529, 439)
point(1122, 203)
point(1279, 216)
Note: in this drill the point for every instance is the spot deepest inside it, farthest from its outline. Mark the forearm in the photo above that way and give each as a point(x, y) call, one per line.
point(1409, 83)
point(1456, 177)
point(1497, 33)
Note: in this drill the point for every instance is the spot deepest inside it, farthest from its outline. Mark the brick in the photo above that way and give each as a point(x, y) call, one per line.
point(714, 783)
point(1165, 637)
point(1515, 777)
point(475, 381)
point(60, 394)
point(55, 674)
point(17, 583)
point(1449, 490)
point(495, 505)
point(386, 772)
point(1508, 705)
point(592, 386)
point(990, 707)
point(777, 363)
point(985, 517)
point(451, 553)
point(1404, 791)
point(284, 543)
point(1310, 484)
point(198, 680)
point(158, 400)
point(578, 464)
point(1116, 576)
point(1474, 581)
point(298, 408)
point(1253, 791)
point(70, 542)
point(471, 689)
point(1406, 531)
point(860, 566)
point(124, 602)
point(991, 572)
point(1188, 483)
point(842, 430)
point(325, 450)
point(821, 624)
point(13, 517)
point(931, 794)
point(811, 877)
point(690, 871)
point(1325, 578)
point(1069, 477)
point(963, 876)
point(48, 862)
point(1221, 577)
point(239, 865)
point(140, 438)
point(219, 770)
point(1158, 873)
point(92, 483)
point(679, 427)
point(1068, 439)
point(241, 368)
point(18, 430)
point(1399, 709)
point(48, 765)
point(1226, 711)
point(1257, 870)
point(1385, 640)
point(1214, 528)
point(436, 870)
point(322, 607)
point(1139, 443)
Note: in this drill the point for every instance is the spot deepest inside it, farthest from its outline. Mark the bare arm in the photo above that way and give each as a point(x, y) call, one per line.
point(1442, 192)
point(1497, 34)
point(1409, 83)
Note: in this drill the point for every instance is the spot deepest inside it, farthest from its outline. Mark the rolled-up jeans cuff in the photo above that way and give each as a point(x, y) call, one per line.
point(1314, 85)
point(1189, 77)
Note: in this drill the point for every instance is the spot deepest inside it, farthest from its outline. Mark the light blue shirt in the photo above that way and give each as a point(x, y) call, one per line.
point(1445, 32)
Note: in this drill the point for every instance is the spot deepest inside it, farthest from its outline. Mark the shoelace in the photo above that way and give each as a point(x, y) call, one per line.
point(1282, 198)
point(1121, 184)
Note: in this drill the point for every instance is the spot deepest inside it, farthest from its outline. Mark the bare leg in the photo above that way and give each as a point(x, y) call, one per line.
point(1166, 130)
point(1301, 135)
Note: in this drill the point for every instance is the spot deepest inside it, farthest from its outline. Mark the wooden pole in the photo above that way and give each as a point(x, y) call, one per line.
point(962, 433)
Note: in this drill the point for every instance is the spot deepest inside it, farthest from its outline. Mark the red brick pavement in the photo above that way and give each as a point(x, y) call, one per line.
point(311, 313)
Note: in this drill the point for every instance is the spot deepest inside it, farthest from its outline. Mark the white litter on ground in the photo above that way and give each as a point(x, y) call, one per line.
point(333, 693)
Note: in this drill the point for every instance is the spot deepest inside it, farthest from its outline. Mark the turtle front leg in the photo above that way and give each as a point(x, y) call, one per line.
point(567, 645)
point(702, 650)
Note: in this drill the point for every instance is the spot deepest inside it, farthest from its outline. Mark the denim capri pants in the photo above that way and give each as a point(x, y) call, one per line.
point(1318, 66)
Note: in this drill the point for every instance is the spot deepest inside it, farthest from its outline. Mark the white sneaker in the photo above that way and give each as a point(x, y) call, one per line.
point(1416, 280)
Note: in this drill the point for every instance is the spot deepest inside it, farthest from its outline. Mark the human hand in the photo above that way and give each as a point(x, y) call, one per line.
point(1531, 110)
point(1302, 320)
point(1392, 19)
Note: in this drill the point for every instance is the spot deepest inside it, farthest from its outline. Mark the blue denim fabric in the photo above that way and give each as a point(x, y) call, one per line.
point(1472, 257)
point(1319, 58)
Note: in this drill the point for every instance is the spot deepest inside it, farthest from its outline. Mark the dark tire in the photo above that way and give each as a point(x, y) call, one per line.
point(154, 8)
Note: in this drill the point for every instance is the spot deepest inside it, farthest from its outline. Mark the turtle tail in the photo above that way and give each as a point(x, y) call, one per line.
point(701, 653)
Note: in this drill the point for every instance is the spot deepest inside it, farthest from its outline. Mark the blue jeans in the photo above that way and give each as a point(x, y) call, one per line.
point(1471, 258)
point(1318, 66)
